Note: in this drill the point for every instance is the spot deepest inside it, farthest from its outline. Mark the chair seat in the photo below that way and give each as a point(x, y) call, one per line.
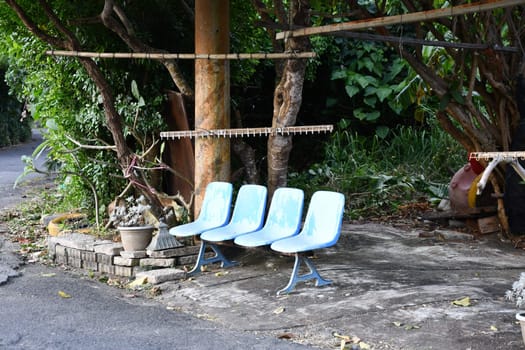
point(296, 244)
point(226, 233)
point(191, 229)
point(264, 236)
point(283, 221)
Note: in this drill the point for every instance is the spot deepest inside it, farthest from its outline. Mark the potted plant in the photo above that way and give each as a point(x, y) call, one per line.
point(129, 217)
point(517, 294)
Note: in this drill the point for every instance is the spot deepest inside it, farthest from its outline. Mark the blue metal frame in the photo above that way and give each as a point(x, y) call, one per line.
point(218, 257)
point(313, 274)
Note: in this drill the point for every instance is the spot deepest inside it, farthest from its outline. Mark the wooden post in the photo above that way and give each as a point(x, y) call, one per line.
point(212, 95)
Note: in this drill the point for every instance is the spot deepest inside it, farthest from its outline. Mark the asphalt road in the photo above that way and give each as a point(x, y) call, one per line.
point(34, 314)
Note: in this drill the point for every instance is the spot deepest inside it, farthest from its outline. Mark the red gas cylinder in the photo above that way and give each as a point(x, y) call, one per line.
point(475, 165)
point(459, 187)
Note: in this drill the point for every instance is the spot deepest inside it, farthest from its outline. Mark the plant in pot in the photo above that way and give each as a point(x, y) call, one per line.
point(517, 294)
point(129, 216)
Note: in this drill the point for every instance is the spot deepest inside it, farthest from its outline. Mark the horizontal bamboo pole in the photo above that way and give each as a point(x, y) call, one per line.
point(401, 19)
point(183, 56)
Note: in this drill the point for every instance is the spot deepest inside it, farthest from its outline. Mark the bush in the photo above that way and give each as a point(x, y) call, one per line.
point(14, 128)
point(378, 175)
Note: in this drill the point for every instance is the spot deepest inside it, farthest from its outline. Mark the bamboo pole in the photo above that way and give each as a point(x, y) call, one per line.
point(401, 19)
point(182, 56)
point(415, 41)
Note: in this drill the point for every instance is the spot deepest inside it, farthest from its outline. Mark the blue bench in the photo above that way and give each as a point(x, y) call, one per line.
point(281, 231)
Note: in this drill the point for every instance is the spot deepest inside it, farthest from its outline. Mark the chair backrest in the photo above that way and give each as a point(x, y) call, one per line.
point(286, 210)
point(216, 204)
point(249, 208)
point(322, 225)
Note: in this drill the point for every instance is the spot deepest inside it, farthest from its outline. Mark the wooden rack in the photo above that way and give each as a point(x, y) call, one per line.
point(243, 132)
point(507, 156)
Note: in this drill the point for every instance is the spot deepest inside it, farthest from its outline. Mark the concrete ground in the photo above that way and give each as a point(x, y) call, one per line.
point(393, 288)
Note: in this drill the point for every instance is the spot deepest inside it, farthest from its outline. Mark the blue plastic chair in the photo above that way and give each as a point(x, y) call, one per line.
point(248, 216)
point(321, 229)
point(283, 220)
point(215, 211)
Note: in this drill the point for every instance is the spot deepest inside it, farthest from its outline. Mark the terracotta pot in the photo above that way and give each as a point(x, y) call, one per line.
point(520, 316)
point(136, 237)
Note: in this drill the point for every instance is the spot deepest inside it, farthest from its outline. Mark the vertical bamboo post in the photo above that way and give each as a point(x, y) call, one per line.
point(212, 95)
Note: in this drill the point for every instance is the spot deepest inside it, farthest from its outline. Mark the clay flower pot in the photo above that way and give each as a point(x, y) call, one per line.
point(135, 238)
point(520, 316)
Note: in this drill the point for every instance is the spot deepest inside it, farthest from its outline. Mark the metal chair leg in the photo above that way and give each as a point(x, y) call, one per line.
point(202, 260)
point(295, 277)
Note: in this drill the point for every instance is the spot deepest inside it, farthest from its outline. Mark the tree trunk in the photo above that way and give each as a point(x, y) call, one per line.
point(287, 100)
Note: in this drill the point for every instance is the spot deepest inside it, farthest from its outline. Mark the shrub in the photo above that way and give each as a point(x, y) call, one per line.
point(377, 175)
point(15, 126)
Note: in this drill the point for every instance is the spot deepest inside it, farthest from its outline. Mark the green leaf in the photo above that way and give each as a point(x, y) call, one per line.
point(135, 90)
point(351, 90)
point(365, 80)
point(382, 131)
point(338, 74)
point(370, 101)
point(383, 92)
point(373, 115)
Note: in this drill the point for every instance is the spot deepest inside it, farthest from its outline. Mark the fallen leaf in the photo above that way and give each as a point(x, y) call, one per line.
point(398, 324)
point(411, 326)
point(493, 328)
point(279, 310)
point(221, 273)
point(155, 291)
point(462, 302)
point(285, 336)
point(48, 274)
point(138, 282)
point(64, 294)
point(364, 346)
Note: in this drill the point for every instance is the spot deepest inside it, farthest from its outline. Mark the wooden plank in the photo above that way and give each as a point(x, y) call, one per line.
point(401, 19)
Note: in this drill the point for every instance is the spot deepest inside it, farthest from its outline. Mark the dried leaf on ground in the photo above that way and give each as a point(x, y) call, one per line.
point(138, 282)
point(63, 294)
point(462, 302)
point(285, 336)
point(279, 310)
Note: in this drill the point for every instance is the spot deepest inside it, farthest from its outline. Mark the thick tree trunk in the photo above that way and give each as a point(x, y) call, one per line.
point(287, 100)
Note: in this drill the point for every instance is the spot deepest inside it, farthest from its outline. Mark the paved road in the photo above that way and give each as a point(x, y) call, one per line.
point(34, 316)
point(11, 166)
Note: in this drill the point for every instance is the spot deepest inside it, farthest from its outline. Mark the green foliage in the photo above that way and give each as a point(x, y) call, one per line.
point(15, 124)
point(63, 99)
point(377, 175)
point(374, 79)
